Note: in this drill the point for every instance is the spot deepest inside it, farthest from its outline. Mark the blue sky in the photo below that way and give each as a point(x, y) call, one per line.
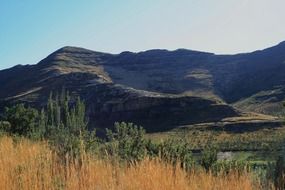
point(32, 29)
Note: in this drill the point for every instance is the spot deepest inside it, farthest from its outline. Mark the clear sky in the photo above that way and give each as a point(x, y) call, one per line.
point(32, 29)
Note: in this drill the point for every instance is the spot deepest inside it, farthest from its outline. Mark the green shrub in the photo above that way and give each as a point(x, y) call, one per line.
point(127, 142)
point(226, 167)
point(23, 120)
point(5, 127)
point(177, 151)
point(279, 174)
point(152, 149)
point(64, 124)
point(209, 157)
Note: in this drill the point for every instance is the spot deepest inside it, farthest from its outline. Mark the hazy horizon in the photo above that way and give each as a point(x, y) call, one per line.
point(31, 30)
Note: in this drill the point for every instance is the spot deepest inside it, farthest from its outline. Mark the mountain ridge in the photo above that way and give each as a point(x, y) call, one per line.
point(248, 82)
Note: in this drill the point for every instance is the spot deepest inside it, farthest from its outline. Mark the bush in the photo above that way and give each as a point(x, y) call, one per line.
point(5, 126)
point(177, 151)
point(152, 149)
point(127, 142)
point(225, 167)
point(64, 124)
point(209, 157)
point(23, 120)
point(279, 175)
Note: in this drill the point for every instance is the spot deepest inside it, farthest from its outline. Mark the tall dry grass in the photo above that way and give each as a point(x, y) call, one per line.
point(26, 165)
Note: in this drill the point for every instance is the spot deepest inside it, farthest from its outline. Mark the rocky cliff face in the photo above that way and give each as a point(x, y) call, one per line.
point(154, 111)
point(159, 89)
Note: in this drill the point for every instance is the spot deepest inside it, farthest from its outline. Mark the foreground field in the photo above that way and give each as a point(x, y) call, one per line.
point(28, 165)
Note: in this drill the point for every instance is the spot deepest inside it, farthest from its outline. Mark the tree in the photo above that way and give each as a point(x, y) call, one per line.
point(209, 157)
point(127, 141)
point(64, 124)
point(23, 119)
point(177, 151)
point(5, 126)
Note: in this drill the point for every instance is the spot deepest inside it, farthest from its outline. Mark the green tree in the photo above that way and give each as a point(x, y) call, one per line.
point(177, 151)
point(5, 126)
point(23, 120)
point(64, 123)
point(209, 157)
point(127, 141)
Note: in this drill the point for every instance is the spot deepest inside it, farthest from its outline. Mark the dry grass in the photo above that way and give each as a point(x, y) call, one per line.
point(25, 165)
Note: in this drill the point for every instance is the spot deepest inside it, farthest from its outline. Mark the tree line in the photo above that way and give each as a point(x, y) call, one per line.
point(64, 124)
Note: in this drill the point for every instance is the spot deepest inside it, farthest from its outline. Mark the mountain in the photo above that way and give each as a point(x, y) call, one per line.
point(158, 89)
